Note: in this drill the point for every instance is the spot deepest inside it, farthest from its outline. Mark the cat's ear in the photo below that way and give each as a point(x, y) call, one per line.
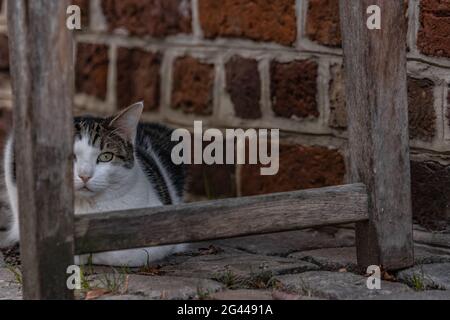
point(126, 121)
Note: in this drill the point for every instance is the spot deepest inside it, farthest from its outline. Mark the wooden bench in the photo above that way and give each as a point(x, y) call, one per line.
point(379, 202)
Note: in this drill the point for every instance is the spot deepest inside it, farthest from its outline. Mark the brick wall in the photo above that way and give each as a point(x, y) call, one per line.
point(5, 91)
point(271, 64)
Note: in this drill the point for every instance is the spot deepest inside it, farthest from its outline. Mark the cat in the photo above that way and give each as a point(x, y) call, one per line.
point(118, 164)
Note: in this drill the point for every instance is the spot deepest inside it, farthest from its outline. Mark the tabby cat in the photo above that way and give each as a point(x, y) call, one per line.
point(119, 164)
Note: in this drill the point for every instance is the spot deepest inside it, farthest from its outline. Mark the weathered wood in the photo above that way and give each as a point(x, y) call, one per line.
point(42, 73)
point(220, 219)
point(433, 239)
point(375, 79)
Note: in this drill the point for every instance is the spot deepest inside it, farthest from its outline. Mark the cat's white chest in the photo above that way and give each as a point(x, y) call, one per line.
point(138, 194)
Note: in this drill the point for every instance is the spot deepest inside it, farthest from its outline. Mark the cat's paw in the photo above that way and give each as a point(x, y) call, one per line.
point(136, 257)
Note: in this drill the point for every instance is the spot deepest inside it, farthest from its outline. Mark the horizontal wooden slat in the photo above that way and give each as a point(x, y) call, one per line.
point(436, 239)
point(220, 219)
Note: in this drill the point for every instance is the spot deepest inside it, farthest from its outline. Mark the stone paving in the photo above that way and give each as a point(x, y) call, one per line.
point(300, 265)
point(9, 285)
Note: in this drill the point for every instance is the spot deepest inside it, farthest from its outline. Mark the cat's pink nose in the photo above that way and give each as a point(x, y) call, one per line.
point(85, 179)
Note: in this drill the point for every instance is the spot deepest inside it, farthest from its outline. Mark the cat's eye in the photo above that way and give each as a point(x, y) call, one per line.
point(105, 157)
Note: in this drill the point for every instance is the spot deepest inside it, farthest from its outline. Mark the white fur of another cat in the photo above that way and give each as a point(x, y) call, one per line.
point(111, 188)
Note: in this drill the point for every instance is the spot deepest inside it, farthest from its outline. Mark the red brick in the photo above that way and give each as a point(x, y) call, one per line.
point(5, 80)
point(435, 5)
point(422, 116)
point(156, 18)
point(448, 106)
point(91, 70)
point(193, 84)
point(259, 20)
point(322, 23)
point(301, 167)
point(244, 86)
point(430, 188)
point(448, 96)
point(338, 112)
point(5, 125)
point(294, 89)
point(4, 53)
point(212, 181)
point(434, 33)
point(138, 78)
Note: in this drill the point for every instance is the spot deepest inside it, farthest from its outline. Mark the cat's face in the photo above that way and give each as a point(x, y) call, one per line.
point(104, 153)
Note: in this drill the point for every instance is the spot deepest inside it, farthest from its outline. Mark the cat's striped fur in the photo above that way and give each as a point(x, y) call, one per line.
point(119, 164)
point(152, 149)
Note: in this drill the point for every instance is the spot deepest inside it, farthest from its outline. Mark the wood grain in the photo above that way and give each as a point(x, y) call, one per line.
point(376, 98)
point(433, 239)
point(220, 219)
point(42, 74)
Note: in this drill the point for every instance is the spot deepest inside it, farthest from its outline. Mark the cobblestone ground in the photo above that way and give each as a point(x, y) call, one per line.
point(300, 265)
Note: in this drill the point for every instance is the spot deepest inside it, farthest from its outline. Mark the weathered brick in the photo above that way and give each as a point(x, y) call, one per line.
point(193, 84)
point(244, 86)
point(5, 90)
point(434, 33)
point(5, 125)
point(448, 96)
point(447, 114)
point(259, 20)
point(294, 89)
point(422, 116)
point(430, 188)
point(211, 181)
point(436, 5)
point(322, 22)
point(338, 112)
point(5, 81)
point(156, 18)
point(4, 53)
point(91, 70)
point(300, 167)
point(138, 78)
